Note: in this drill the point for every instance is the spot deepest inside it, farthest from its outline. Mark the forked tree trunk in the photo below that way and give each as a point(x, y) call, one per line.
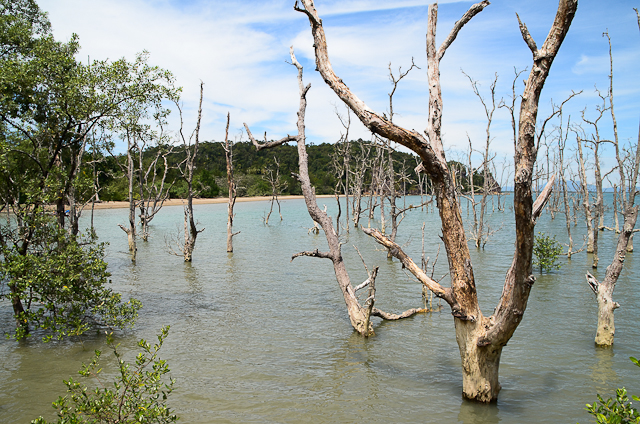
point(585, 196)
point(480, 339)
point(628, 170)
point(604, 291)
point(228, 152)
point(190, 230)
point(359, 314)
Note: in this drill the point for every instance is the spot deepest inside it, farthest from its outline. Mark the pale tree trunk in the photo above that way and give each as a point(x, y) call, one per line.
point(276, 189)
point(481, 235)
point(562, 142)
point(628, 170)
point(228, 152)
point(585, 196)
point(616, 224)
point(394, 211)
point(604, 291)
point(190, 229)
point(131, 230)
point(359, 314)
point(480, 339)
point(598, 205)
point(362, 163)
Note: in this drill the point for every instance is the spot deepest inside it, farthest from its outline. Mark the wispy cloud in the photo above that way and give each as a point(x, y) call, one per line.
point(240, 51)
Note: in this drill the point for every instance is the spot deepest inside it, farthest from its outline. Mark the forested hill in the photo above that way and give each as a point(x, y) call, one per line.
point(252, 169)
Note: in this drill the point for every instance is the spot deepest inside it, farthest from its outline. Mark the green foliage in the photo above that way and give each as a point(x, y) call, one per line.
point(205, 184)
point(618, 410)
point(249, 168)
point(59, 281)
point(546, 251)
point(139, 394)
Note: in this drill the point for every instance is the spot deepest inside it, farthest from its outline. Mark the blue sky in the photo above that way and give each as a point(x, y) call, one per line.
point(239, 50)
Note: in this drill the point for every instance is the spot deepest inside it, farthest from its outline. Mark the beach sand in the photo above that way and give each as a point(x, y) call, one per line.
point(180, 202)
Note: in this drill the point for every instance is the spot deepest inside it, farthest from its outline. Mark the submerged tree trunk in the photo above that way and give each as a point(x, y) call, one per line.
point(604, 291)
point(585, 197)
point(190, 230)
point(228, 152)
point(480, 339)
point(359, 314)
point(628, 170)
point(131, 230)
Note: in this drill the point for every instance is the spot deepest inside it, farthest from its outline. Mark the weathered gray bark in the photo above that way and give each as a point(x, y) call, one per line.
point(480, 339)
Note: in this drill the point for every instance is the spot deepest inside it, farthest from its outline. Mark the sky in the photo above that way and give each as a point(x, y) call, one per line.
point(240, 51)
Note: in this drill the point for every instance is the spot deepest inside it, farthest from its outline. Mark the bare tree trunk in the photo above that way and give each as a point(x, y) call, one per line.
point(628, 170)
point(190, 229)
point(562, 142)
point(228, 149)
point(585, 197)
point(359, 315)
point(615, 209)
point(481, 235)
point(131, 230)
point(480, 339)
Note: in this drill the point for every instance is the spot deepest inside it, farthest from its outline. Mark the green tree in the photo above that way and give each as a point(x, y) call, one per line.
point(546, 250)
point(50, 105)
point(60, 282)
point(139, 394)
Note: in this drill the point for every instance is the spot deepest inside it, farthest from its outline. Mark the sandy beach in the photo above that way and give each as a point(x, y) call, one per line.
point(179, 202)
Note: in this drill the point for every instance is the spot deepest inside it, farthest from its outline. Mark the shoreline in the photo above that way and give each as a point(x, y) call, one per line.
point(182, 202)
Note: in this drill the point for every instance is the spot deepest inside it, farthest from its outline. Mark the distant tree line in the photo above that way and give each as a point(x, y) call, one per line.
point(252, 167)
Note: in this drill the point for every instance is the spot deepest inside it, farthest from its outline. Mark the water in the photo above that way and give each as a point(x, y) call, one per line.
point(257, 338)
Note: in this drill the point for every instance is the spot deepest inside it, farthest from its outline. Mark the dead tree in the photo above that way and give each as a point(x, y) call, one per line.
point(584, 188)
point(130, 174)
point(480, 338)
point(594, 142)
point(359, 313)
point(361, 165)
point(396, 213)
point(628, 169)
point(346, 158)
point(481, 230)
point(231, 184)
point(277, 185)
point(563, 134)
point(152, 184)
point(191, 151)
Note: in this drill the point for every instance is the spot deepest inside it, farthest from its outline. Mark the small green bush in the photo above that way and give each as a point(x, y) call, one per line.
point(546, 251)
point(618, 410)
point(139, 394)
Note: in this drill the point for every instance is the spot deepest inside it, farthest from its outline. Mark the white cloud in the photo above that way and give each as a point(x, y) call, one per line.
point(239, 50)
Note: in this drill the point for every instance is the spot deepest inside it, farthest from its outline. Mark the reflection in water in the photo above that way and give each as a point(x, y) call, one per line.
point(602, 373)
point(191, 277)
point(477, 413)
point(257, 338)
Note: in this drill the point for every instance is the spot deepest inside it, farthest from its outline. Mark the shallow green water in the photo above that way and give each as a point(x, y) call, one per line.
point(257, 338)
